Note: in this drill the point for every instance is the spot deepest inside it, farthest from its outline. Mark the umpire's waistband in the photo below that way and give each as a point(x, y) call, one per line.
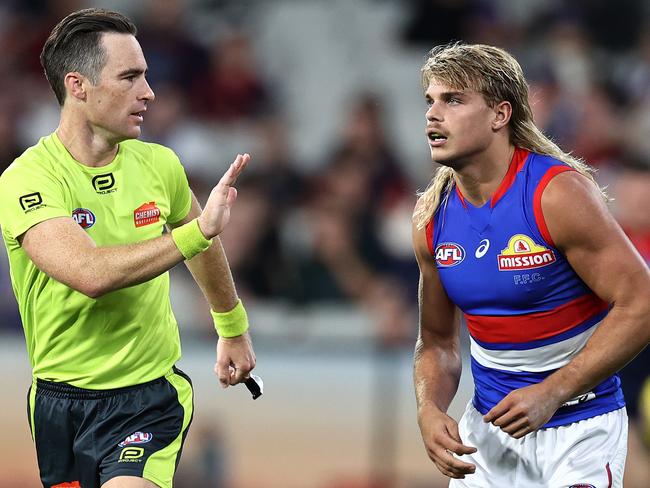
point(57, 389)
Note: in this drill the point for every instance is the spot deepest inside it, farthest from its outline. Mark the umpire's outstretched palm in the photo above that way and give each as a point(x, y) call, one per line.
point(216, 214)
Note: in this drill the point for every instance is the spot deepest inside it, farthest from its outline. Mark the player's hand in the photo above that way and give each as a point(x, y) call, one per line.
point(441, 439)
point(216, 214)
point(524, 410)
point(235, 359)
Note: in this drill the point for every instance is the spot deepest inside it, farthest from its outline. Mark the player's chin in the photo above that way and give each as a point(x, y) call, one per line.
point(132, 132)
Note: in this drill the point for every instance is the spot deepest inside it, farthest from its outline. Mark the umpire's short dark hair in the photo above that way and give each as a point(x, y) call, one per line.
point(75, 45)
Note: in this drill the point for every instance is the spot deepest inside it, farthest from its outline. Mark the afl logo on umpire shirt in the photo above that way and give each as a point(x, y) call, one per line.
point(449, 254)
point(84, 217)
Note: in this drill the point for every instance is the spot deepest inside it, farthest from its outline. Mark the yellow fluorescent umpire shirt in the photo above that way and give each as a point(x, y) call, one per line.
point(125, 337)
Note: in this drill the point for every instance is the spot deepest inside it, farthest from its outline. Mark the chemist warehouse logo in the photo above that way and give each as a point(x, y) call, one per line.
point(523, 253)
point(145, 214)
point(449, 254)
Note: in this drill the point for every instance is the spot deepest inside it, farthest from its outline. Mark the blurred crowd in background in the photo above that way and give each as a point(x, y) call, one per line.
point(326, 96)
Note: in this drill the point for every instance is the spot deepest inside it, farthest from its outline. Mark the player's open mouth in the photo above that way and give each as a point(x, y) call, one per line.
point(138, 115)
point(436, 139)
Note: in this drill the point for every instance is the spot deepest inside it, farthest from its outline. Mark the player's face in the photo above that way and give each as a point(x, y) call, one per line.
point(116, 105)
point(459, 124)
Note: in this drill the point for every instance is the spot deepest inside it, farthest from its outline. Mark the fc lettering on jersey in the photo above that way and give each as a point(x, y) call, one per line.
point(523, 253)
point(449, 254)
point(145, 214)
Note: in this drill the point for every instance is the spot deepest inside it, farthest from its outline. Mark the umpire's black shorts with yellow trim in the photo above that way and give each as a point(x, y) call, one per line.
point(86, 437)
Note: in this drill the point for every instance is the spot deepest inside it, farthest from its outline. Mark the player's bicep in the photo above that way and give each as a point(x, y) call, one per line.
point(438, 314)
point(59, 248)
point(594, 244)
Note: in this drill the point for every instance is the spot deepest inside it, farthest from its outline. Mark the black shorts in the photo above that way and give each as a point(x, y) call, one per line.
point(86, 437)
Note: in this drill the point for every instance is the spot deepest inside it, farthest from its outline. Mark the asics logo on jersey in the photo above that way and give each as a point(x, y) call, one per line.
point(104, 183)
point(523, 253)
point(449, 254)
point(582, 485)
point(84, 217)
point(483, 247)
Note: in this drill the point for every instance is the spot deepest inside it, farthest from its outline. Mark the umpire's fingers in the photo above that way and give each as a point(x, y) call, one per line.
point(242, 371)
point(223, 371)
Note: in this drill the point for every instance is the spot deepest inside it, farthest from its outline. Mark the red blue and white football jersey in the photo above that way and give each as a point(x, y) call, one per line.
point(527, 311)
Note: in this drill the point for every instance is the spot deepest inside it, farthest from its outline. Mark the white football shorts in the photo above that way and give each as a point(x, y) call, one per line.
point(586, 454)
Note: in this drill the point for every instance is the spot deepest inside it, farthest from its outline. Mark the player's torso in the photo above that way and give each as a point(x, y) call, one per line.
point(492, 260)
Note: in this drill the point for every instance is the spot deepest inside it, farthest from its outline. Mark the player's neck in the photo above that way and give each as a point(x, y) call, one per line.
point(86, 145)
point(479, 179)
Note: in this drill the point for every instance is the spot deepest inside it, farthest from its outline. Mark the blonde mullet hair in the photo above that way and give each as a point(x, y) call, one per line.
point(496, 75)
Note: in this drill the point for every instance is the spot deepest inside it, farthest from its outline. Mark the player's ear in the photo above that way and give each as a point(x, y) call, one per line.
point(502, 114)
point(75, 85)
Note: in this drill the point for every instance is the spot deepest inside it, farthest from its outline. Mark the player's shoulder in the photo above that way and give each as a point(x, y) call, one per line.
point(541, 163)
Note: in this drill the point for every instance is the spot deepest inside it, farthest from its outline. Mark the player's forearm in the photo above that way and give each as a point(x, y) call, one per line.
point(211, 272)
point(112, 268)
point(624, 333)
point(436, 373)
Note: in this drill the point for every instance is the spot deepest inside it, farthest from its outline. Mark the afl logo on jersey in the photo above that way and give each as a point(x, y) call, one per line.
point(449, 254)
point(523, 253)
point(84, 217)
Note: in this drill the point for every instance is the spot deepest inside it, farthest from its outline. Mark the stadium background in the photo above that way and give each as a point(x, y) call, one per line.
point(326, 97)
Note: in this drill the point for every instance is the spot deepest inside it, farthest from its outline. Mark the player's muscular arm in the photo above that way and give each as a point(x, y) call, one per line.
point(600, 253)
point(437, 356)
point(61, 249)
point(604, 258)
point(437, 367)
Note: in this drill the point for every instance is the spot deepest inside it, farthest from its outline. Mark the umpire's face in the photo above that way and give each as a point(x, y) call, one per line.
point(117, 103)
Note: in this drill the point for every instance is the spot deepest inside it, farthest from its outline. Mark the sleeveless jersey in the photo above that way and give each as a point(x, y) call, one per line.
point(527, 311)
point(128, 336)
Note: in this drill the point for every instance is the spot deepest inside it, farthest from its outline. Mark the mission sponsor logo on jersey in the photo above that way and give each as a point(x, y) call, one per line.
point(146, 214)
point(449, 254)
point(84, 217)
point(523, 253)
point(137, 438)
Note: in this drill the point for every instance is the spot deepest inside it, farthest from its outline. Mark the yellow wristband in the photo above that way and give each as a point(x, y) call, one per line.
point(231, 324)
point(189, 239)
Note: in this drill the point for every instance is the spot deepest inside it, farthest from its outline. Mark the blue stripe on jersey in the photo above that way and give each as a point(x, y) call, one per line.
point(492, 385)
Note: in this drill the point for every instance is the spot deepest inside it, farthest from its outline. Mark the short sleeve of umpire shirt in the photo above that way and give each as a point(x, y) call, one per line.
point(28, 197)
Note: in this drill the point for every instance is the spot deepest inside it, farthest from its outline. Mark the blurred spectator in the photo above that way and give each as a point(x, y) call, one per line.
point(233, 88)
point(173, 56)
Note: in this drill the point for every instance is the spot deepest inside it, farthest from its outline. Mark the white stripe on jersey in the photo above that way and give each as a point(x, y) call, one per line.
point(540, 359)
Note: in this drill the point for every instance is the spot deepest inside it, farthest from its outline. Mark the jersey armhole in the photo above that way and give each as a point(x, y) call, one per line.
point(429, 234)
point(537, 200)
